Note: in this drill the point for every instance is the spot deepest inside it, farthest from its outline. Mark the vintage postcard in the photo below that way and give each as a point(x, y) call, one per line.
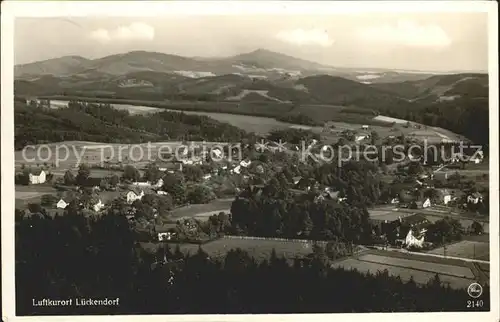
point(230, 161)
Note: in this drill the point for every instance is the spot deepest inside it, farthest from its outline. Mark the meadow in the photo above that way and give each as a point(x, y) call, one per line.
point(419, 276)
point(466, 249)
point(202, 211)
point(260, 117)
point(260, 249)
point(445, 269)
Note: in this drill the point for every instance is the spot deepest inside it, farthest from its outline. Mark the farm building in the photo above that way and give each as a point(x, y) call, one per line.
point(365, 127)
point(37, 177)
point(134, 194)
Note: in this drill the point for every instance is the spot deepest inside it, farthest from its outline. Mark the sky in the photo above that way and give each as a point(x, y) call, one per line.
point(426, 41)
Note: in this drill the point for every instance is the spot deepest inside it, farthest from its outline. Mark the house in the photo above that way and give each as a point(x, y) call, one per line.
point(475, 198)
point(296, 180)
point(236, 170)
point(394, 201)
point(207, 176)
point(331, 193)
point(361, 137)
point(164, 236)
point(217, 153)
point(245, 164)
point(98, 206)
point(61, 204)
point(170, 167)
point(162, 193)
point(141, 183)
point(134, 194)
point(38, 177)
point(415, 220)
point(159, 183)
point(445, 196)
point(412, 240)
point(426, 203)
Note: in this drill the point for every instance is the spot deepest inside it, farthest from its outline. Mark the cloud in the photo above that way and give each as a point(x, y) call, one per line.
point(134, 31)
point(408, 33)
point(303, 37)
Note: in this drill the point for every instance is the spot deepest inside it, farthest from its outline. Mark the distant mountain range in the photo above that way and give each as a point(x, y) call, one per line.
point(458, 102)
point(260, 63)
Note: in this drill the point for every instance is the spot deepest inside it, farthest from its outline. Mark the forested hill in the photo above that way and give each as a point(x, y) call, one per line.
point(35, 124)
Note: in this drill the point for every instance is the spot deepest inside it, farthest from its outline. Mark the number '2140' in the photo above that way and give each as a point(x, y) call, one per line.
point(473, 304)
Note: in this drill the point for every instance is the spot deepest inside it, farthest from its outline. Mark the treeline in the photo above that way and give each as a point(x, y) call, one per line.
point(274, 210)
point(299, 118)
point(74, 256)
point(468, 116)
point(102, 123)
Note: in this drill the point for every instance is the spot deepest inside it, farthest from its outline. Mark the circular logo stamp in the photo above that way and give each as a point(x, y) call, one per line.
point(475, 290)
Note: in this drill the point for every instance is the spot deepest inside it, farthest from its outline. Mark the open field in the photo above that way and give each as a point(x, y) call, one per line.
point(459, 271)
point(387, 214)
point(466, 249)
point(202, 211)
point(389, 119)
point(258, 248)
point(420, 277)
point(464, 222)
point(33, 191)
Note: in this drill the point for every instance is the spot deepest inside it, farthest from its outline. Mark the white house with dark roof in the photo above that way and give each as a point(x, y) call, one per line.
point(38, 177)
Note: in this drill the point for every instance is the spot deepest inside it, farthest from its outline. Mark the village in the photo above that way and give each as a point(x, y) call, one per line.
point(165, 196)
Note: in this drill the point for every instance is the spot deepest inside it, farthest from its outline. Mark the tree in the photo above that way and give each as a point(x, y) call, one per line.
point(200, 194)
point(35, 208)
point(114, 180)
point(48, 200)
point(476, 228)
point(192, 173)
point(83, 174)
point(174, 184)
point(69, 178)
point(131, 173)
point(22, 178)
point(152, 173)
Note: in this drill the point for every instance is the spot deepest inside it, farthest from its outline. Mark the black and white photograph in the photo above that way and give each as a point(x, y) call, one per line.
point(244, 158)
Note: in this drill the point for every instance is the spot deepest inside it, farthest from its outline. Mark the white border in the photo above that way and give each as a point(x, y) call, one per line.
point(11, 9)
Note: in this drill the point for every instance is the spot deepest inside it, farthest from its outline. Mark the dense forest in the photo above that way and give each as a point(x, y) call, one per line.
point(36, 124)
point(468, 116)
point(97, 257)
